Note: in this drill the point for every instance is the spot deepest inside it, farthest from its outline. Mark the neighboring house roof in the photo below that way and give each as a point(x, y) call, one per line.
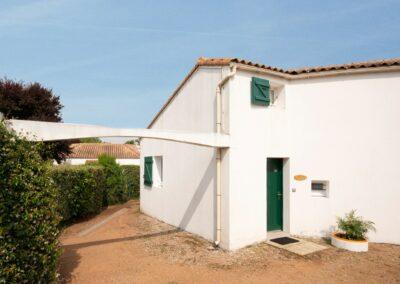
point(93, 150)
point(290, 74)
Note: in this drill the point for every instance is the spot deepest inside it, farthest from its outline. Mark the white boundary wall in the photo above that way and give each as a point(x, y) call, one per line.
point(119, 161)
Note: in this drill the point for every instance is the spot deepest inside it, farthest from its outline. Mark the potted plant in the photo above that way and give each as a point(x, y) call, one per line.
point(352, 232)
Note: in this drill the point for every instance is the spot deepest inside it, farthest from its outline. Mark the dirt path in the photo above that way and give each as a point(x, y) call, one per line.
point(134, 248)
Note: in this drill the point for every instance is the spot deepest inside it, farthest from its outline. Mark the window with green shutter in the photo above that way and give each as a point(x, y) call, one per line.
point(260, 91)
point(148, 171)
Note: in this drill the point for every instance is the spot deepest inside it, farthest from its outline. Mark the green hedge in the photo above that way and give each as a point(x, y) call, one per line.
point(85, 190)
point(33, 196)
point(81, 190)
point(29, 217)
point(132, 175)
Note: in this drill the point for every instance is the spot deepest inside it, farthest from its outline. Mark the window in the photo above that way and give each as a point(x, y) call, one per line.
point(158, 171)
point(260, 92)
point(319, 188)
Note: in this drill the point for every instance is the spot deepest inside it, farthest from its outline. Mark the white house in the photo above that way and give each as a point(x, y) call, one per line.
point(305, 145)
point(124, 154)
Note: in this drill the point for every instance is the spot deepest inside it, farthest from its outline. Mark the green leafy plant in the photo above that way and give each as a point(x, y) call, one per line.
point(85, 190)
point(29, 218)
point(90, 140)
point(354, 227)
point(132, 179)
point(80, 190)
point(117, 191)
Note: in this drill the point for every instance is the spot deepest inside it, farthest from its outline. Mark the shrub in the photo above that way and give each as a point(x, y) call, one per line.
point(132, 178)
point(354, 227)
point(80, 190)
point(85, 190)
point(29, 219)
point(116, 189)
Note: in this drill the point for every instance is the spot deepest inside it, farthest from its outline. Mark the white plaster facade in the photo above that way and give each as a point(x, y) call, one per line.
point(343, 129)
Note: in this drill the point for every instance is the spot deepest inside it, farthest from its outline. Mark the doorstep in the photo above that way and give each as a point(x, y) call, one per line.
point(302, 247)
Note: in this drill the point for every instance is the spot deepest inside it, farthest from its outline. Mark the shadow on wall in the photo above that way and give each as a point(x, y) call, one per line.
point(201, 189)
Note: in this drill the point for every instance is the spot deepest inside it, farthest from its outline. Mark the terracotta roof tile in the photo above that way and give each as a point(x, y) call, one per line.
point(203, 61)
point(93, 150)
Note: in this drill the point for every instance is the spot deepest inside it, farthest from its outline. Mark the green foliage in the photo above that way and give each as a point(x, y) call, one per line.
point(81, 190)
point(116, 188)
point(106, 160)
point(85, 190)
point(355, 227)
point(132, 178)
point(133, 141)
point(29, 218)
point(90, 140)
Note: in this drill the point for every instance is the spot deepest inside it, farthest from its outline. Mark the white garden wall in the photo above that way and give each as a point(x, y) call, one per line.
point(119, 161)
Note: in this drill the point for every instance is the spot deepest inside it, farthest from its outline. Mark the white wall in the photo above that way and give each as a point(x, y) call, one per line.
point(346, 130)
point(119, 161)
point(187, 196)
point(128, 162)
point(341, 129)
point(257, 132)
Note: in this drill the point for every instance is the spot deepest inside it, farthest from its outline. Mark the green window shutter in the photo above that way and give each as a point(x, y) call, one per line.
point(260, 91)
point(148, 171)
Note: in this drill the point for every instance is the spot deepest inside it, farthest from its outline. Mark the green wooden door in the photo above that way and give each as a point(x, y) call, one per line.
point(274, 194)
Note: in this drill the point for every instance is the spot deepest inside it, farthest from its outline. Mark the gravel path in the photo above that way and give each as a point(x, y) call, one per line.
point(134, 248)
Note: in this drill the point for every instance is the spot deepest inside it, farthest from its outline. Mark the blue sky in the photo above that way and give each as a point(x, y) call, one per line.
point(115, 62)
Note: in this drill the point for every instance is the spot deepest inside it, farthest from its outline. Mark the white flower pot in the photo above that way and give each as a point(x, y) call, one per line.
point(351, 245)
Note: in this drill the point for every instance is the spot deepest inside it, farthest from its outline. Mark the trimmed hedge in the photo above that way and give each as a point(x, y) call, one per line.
point(29, 217)
point(81, 190)
point(85, 190)
point(132, 175)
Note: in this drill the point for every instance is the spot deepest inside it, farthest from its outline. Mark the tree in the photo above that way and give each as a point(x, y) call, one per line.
point(90, 140)
point(32, 101)
point(133, 142)
point(29, 216)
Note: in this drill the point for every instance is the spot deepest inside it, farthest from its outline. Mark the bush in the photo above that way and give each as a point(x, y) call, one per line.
point(132, 178)
point(81, 190)
point(29, 219)
point(354, 227)
point(116, 189)
point(85, 190)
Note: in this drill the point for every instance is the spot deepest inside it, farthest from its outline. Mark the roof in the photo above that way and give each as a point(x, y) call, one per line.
point(290, 74)
point(202, 61)
point(93, 150)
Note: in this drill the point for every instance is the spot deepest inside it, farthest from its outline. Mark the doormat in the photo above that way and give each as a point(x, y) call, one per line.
point(284, 241)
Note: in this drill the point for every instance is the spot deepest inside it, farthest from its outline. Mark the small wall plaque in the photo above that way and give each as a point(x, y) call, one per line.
point(300, 177)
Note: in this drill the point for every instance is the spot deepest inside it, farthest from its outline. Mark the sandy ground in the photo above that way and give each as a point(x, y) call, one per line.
point(134, 248)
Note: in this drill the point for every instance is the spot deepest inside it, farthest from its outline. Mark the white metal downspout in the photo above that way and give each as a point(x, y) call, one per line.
point(219, 150)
